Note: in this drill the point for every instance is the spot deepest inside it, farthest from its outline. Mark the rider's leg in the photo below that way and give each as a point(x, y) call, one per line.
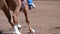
point(31, 4)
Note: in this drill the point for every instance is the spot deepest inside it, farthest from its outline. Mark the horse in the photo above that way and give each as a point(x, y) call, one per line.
point(15, 6)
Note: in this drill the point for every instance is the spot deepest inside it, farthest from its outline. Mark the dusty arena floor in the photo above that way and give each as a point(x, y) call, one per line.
point(45, 19)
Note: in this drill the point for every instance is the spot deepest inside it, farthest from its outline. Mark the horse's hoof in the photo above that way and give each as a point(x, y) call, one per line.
point(32, 31)
point(19, 26)
point(16, 32)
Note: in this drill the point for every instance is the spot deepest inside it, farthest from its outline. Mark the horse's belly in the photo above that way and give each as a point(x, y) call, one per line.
point(1, 3)
point(11, 4)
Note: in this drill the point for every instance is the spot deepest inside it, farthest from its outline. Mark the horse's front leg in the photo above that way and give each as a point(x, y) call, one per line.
point(27, 19)
point(15, 17)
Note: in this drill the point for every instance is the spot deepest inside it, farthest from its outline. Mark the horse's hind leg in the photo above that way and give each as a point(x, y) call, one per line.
point(27, 20)
point(7, 13)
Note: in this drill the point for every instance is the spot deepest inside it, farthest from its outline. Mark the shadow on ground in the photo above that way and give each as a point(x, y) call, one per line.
point(55, 30)
point(1, 32)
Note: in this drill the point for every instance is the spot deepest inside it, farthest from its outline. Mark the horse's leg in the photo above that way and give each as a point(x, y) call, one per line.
point(7, 13)
point(15, 17)
point(27, 20)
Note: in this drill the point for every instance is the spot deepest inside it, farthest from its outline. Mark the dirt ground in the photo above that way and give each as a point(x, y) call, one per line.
point(45, 19)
